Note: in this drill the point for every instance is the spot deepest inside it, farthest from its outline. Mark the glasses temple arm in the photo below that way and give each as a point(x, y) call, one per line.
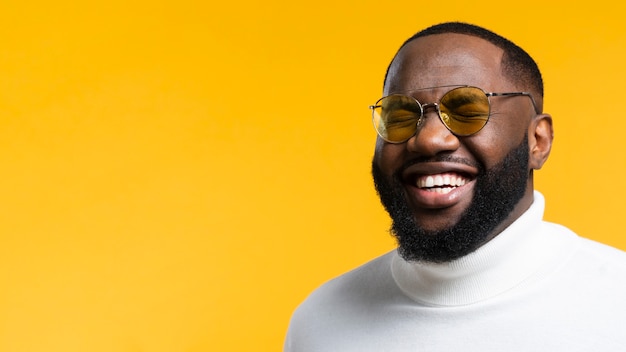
point(512, 94)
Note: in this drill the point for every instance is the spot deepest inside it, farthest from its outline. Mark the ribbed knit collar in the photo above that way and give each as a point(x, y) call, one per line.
point(496, 267)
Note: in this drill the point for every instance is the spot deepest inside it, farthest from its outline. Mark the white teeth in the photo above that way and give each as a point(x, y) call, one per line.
point(429, 182)
point(441, 183)
point(441, 190)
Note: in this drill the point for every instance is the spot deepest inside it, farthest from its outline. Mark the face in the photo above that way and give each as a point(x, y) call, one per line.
point(448, 195)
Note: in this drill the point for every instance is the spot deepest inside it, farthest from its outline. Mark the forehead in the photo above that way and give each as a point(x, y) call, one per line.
point(446, 59)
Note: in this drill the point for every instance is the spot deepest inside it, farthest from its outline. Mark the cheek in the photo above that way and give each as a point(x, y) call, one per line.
point(494, 145)
point(388, 157)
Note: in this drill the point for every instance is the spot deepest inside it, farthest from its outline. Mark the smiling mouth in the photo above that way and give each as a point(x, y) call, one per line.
point(441, 183)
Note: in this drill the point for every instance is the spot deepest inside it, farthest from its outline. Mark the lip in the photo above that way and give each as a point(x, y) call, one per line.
point(427, 197)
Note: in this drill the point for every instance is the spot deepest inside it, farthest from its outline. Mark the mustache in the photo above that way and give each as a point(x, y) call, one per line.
point(438, 158)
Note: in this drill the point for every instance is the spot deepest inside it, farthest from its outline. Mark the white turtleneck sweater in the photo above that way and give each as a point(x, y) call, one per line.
point(536, 286)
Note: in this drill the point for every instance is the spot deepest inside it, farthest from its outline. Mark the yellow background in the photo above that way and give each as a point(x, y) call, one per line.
point(179, 175)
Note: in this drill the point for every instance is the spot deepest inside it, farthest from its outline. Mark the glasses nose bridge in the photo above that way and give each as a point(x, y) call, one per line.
point(427, 106)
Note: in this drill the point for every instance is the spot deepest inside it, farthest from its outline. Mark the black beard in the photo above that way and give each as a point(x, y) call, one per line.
point(496, 193)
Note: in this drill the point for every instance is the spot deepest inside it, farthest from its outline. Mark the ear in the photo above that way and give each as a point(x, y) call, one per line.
point(540, 136)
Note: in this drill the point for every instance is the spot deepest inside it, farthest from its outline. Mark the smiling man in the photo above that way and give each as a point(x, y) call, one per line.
point(461, 130)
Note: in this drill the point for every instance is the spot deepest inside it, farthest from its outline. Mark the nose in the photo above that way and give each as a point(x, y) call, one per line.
point(432, 136)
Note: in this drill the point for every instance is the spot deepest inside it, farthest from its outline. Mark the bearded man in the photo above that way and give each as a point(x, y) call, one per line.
point(461, 129)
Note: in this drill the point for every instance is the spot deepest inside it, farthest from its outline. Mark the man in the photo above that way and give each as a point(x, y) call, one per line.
point(460, 132)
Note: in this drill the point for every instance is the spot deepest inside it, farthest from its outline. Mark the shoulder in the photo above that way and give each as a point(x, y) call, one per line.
point(591, 249)
point(603, 255)
point(348, 300)
point(591, 260)
point(371, 277)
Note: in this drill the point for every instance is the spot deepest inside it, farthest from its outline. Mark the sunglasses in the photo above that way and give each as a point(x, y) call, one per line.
point(464, 110)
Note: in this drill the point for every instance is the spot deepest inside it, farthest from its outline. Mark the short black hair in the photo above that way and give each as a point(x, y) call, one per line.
point(517, 65)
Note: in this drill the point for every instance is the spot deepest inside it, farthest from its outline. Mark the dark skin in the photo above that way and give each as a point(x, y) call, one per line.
point(456, 59)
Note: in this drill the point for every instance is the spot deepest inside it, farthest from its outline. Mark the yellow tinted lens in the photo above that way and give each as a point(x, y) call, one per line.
point(395, 117)
point(464, 110)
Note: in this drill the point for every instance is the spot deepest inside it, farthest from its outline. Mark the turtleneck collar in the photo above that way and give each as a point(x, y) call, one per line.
point(501, 264)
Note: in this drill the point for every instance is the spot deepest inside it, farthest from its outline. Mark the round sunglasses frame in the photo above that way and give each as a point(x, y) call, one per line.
point(436, 105)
